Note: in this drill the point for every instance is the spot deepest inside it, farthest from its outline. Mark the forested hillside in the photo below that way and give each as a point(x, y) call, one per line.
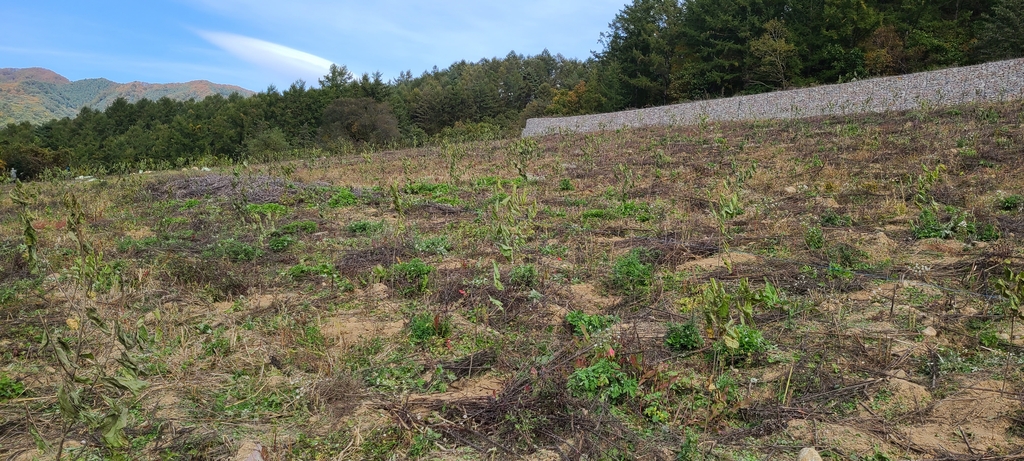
point(38, 95)
point(655, 52)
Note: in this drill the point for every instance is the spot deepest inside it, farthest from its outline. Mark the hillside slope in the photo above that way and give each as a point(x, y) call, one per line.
point(36, 95)
point(726, 291)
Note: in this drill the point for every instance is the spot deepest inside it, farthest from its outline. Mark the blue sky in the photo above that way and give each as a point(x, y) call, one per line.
point(254, 43)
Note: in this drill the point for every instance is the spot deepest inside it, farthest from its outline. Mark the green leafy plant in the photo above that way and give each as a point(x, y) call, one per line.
point(814, 237)
point(725, 208)
point(741, 342)
point(364, 227)
point(235, 250)
point(521, 153)
point(411, 277)
point(511, 220)
point(639, 211)
point(280, 243)
point(950, 222)
point(632, 274)
point(833, 219)
point(603, 380)
point(1011, 287)
point(565, 185)
point(426, 325)
point(342, 198)
point(423, 443)
point(9, 388)
point(583, 324)
point(1011, 203)
point(524, 275)
point(439, 245)
point(683, 337)
point(925, 182)
point(306, 227)
point(266, 209)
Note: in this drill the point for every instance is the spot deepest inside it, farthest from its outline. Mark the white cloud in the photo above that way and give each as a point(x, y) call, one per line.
point(279, 59)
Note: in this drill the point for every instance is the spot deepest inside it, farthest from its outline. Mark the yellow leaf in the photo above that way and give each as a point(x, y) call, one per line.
point(72, 324)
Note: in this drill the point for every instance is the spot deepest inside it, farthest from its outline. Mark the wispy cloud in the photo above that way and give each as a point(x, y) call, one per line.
point(279, 59)
point(396, 35)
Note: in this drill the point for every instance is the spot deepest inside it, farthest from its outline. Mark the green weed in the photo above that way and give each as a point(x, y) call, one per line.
point(280, 243)
point(814, 237)
point(524, 275)
point(425, 326)
point(411, 277)
point(342, 198)
point(586, 324)
point(306, 227)
point(684, 337)
point(235, 250)
point(363, 227)
point(1011, 203)
point(632, 274)
point(9, 388)
point(604, 380)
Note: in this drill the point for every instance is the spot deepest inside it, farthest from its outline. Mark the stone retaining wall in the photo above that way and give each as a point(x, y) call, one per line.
point(994, 81)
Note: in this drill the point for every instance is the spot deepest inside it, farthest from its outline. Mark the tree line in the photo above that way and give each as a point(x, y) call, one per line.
point(654, 52)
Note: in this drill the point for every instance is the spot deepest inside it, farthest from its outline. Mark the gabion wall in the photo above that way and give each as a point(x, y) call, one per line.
point(994, 81)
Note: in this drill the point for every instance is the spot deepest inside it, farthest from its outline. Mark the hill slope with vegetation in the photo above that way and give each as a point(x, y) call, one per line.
point(38, 95)
point(655, 52)
point(720, 291)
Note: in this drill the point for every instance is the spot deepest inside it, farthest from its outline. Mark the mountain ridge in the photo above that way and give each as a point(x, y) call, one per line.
point(36, 94)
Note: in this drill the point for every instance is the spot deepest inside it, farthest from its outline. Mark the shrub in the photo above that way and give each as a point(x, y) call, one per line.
point(683, 337)
point(31, 161)
point(468, 132)
point(585, 324)
point(359, 120)
point(604, 380)
point(632, 275)
point(266, 144)
point(566, 185)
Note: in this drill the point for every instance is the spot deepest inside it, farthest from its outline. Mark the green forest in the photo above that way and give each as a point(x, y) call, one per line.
point(654, 52)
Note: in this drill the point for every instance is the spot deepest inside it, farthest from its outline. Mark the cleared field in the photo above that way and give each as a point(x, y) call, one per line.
point(722, 291)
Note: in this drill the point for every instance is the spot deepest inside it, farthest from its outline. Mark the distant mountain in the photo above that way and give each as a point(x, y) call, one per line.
point(37, 95)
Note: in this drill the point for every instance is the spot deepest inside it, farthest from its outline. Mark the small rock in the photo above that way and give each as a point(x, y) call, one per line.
point(929, 331)
point(900, 374)
point(1003, 336)
point(809, 454)
point(252, 451)
point(790, 190)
